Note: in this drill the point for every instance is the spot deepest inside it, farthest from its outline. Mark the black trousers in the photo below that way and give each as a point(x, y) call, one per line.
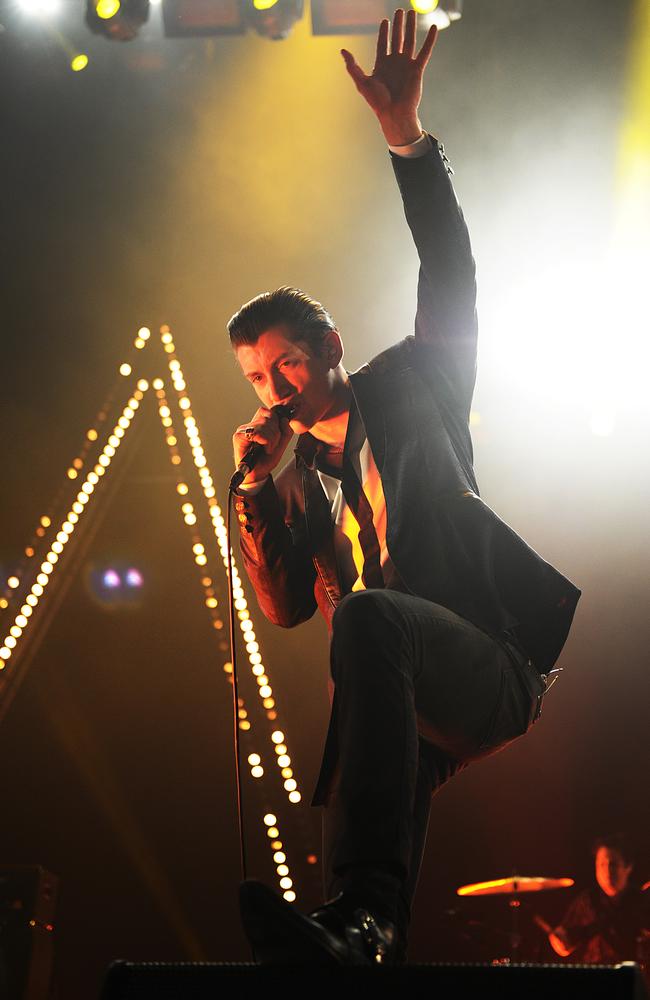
point(419, 694)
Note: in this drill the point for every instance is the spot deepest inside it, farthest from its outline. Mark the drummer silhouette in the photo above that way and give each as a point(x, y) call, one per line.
point(609, 921)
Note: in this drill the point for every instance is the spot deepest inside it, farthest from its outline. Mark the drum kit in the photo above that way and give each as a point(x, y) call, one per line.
point(512, 889)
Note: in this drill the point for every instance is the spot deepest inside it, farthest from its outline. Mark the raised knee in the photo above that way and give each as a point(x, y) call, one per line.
point(358, 611)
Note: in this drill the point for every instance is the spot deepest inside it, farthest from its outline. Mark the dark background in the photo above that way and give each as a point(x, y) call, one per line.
point(171, 181)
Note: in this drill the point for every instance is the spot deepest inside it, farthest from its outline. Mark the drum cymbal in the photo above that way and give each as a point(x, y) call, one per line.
point(514, 884)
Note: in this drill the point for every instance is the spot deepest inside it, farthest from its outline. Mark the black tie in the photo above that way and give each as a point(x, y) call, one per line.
point(357, 501)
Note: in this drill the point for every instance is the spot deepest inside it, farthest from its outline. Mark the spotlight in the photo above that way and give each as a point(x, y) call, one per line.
point(115, 587)
point(133, 577)
point(119, 20)
point(438, 12)
point(275, 19)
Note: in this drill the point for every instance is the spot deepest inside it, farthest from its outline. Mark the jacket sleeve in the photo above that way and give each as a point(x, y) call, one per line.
point(445, 323)
point(280, 569)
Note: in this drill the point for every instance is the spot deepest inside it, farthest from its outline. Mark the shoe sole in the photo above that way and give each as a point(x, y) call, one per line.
point(278, 934)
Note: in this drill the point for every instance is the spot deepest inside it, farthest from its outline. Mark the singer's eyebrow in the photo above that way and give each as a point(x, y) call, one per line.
point(276, 361)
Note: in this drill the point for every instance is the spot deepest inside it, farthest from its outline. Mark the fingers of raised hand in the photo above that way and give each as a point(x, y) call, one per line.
point(382, 39)
point(403, 36)
point(397, 36)
point(424, 54)
point(353, 67)
point(409, 34)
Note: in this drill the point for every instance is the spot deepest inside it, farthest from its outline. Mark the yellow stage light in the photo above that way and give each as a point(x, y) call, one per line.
point(79, 62)
point(424, 6)
point(125, 369)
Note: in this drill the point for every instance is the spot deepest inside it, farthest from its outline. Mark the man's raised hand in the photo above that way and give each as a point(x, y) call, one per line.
point(394, 88)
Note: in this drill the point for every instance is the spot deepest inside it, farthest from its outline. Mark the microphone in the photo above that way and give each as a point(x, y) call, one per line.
point(255, 452)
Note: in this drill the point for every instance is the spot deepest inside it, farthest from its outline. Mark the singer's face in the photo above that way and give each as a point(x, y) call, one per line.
point(282, 370)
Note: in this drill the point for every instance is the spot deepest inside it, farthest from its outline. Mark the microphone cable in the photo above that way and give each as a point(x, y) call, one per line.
point(235, 692)
point(244, 467)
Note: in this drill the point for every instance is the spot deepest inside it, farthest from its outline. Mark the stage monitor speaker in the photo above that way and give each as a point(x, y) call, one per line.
point(208, 981)
point(27, 907)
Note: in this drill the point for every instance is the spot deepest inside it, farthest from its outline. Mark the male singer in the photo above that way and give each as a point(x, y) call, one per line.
point(445, 626)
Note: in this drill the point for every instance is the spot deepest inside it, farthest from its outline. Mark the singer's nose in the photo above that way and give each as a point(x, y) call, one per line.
point(279, 390)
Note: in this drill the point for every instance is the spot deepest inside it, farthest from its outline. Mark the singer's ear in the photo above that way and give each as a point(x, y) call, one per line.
point(333, 348)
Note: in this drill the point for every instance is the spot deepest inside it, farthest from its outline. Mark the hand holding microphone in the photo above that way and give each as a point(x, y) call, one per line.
point(260, 444)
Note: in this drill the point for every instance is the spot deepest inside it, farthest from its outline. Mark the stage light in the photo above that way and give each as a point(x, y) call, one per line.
point(274, 20)
point(107, 8)
point(119, 21)
point(134, 578)
point(441, 13)
point(111, 579)
point(78, 63)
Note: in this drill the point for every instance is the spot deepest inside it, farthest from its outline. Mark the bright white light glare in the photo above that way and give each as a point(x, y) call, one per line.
point(440, 18)
point(603, 422)
point(572, 333)
point(40, 8)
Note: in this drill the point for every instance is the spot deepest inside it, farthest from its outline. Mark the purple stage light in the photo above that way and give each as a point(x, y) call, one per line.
point(134, 577)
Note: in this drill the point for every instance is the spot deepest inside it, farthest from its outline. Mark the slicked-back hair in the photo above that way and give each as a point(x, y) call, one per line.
point(305, 318)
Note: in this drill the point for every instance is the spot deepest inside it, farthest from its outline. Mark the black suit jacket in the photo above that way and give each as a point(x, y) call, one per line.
point(414, 399)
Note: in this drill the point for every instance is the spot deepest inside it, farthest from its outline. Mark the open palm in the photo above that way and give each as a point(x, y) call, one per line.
point(394, 88)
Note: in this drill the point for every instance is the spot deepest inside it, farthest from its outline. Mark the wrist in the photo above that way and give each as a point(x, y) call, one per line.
point(401, 132)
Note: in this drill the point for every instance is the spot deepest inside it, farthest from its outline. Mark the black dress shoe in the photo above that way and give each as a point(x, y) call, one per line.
point(331, 935)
